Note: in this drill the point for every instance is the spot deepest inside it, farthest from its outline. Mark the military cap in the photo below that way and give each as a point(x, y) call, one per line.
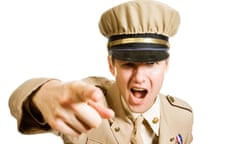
point(139, 30)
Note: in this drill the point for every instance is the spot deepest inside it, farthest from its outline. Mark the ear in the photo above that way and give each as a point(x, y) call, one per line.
point(167, 65)
point(111, 65)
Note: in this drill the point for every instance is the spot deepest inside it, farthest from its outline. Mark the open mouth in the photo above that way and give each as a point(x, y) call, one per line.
point(139, 92)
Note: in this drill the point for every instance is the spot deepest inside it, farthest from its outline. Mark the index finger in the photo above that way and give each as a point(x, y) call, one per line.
point(79, 91)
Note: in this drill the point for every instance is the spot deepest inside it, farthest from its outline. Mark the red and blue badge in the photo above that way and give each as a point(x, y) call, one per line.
point(179, 139)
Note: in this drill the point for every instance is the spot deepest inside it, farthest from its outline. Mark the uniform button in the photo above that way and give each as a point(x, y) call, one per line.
point(117, 129)
point(171, 139)
point(155, 120)
point(171, 99)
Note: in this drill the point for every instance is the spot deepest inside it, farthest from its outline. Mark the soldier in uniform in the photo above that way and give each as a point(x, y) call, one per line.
point(127, 110)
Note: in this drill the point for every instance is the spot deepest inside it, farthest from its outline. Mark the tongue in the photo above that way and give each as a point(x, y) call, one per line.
point(138, 94)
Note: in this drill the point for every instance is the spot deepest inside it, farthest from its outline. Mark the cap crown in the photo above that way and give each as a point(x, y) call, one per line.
point(139, 17)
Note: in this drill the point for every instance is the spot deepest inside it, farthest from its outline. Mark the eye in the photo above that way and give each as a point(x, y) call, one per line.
point(151, 63)
point(128, 65)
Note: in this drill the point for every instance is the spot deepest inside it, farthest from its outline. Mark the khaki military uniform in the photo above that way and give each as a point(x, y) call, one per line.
point(137, 31)
point(176, 117)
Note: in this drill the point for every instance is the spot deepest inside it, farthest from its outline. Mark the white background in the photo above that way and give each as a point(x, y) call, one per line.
point(57, 38)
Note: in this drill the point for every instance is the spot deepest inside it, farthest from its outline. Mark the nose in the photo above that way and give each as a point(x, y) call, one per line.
point(139, 75)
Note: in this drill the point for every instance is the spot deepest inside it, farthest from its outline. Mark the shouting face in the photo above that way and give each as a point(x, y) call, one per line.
point(139, 83)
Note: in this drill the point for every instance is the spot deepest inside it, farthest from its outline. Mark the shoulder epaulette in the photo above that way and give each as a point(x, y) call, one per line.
point(176, 102)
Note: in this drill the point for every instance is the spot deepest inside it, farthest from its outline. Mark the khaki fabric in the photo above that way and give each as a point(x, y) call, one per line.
point(138, 17)
point(176, 116)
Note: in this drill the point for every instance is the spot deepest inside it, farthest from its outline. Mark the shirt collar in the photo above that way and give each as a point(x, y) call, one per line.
point(152, 116)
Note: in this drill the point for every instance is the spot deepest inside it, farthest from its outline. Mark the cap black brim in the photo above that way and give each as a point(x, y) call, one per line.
point(139, 55)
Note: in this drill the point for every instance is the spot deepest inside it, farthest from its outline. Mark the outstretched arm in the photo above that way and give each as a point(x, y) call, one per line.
point(71, 108)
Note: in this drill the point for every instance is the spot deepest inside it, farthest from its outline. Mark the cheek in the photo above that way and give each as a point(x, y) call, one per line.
point(122, 82)
point(123, 79)
point(121, 76)
point(157, 72)
point(157, 77)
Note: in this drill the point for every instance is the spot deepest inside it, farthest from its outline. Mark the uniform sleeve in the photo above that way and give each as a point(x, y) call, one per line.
point(29, 119)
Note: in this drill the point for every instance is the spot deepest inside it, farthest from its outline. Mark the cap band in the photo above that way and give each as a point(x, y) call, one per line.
point(146, 47)
point(140, 56)
point(138, 40)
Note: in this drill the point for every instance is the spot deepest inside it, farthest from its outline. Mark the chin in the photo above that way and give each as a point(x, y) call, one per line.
point(138, 109)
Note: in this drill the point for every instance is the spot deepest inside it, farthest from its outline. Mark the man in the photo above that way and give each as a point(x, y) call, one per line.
point(130, 109)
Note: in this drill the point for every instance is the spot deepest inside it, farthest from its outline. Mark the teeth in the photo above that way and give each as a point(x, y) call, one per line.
point(138, 89)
